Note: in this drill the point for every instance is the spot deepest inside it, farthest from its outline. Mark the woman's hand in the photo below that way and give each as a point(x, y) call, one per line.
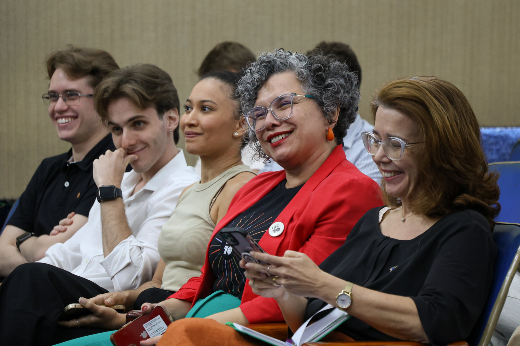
point(261, 283)
point(101, 317)
point(175, 308)
point(295, 272)
point(151, 341)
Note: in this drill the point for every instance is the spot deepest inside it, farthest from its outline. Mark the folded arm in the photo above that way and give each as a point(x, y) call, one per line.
point(34, 248)
point(10, 257)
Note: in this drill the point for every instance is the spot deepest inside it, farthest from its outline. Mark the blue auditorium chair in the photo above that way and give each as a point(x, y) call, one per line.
point(509, 183)
point(515, 153)
point(10, 214)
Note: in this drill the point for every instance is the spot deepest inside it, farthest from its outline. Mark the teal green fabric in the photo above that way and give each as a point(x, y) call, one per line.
point(216, 302)
point(100, 339)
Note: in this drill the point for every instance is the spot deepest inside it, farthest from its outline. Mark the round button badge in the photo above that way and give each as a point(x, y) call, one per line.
point(276, 229)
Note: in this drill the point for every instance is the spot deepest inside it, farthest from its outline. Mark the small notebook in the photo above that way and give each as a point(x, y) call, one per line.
point(146, 326)
point(307, 332)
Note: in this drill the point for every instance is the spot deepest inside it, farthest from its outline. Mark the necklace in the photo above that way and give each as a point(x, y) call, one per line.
point(403, 218)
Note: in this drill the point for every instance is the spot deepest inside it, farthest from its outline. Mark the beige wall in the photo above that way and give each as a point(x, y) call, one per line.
point(473, 43)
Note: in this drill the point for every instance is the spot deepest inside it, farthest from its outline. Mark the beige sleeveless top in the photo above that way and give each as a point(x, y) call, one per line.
point(185, 236)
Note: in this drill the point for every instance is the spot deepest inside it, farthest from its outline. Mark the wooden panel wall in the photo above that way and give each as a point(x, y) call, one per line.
point(473, 43)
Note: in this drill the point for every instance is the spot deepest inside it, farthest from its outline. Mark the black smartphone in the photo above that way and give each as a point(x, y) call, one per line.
point(242, 243)
point(76, 310)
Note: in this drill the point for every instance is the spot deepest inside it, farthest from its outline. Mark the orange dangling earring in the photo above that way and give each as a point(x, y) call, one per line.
point(330, 135)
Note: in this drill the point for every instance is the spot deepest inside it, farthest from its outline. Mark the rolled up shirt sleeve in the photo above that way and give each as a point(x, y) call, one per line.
point(134, 260)
point(131, 263)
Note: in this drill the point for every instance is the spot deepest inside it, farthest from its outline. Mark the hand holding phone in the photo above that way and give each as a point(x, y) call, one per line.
point(76, 310)
point(242, 243)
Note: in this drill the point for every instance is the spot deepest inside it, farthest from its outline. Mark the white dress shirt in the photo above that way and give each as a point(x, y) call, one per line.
point(134, 260)
point(354, 150)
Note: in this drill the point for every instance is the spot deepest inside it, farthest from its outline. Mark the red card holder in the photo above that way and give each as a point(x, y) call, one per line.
point(143, 327)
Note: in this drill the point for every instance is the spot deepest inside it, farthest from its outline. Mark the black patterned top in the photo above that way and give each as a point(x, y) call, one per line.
point(256, 221)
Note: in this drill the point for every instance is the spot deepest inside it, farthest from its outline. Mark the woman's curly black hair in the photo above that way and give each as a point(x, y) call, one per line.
point(330, 83)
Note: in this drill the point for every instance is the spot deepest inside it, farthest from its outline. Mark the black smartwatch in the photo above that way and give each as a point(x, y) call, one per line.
point(108, 193)
point(22, 238)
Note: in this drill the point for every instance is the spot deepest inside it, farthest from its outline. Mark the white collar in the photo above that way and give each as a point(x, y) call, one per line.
point(132, 178)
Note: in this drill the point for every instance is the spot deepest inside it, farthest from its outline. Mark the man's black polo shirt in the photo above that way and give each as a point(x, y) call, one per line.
point(58, 188)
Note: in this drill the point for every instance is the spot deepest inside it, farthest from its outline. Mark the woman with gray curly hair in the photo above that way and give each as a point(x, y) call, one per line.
point(297, 109)
point(329, 84)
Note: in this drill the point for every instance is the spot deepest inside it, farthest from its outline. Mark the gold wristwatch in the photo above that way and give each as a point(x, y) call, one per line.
point(344, 298)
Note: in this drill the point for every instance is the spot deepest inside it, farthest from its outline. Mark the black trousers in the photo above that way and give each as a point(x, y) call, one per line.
point(32, 298)
point(150, 295)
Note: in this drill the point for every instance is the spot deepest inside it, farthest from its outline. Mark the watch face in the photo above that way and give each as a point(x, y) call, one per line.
point(343, 301)
point(106, 192)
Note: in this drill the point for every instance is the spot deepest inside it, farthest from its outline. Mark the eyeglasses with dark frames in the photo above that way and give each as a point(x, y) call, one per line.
point(281, 108)
point(393, 147)
point(71, 98)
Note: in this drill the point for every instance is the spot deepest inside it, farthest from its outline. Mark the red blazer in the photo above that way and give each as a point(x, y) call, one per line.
point(317, 222)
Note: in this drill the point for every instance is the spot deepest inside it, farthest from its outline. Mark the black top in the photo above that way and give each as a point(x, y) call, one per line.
point(256, 221)
point(447, 271)
point(58, 188)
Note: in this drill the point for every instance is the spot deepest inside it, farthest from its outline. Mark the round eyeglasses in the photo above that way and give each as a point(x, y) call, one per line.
point(281, 108)
point(71, 98)
point(393, 147)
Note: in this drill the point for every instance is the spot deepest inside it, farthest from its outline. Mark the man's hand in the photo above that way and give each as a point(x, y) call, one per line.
point(34, 248)
point(62, 226)
point(113, 298)
point(101, 317)
point(110, 167)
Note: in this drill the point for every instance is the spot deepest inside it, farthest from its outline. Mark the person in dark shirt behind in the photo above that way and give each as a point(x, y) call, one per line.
point(62, 185)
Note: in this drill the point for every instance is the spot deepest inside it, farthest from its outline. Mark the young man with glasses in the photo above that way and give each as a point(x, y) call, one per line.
point(62, 184)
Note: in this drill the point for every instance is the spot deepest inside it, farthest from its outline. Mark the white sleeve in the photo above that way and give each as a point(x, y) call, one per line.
point(357, 154)
point(271, 166)
point(134, 260)
point(68, 255)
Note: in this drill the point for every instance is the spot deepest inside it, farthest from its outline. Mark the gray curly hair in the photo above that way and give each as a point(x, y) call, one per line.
point(329, 81)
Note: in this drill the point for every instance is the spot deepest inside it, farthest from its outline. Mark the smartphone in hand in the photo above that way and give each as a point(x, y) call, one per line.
point(242, 243)
point(76, 310)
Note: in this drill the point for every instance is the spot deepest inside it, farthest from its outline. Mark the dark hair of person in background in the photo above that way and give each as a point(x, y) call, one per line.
point(144, 85)
point(340, 51)
point(78, 62)
point(446, 183)
point(329, 81)
point(231, 80)
point(226, 56)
